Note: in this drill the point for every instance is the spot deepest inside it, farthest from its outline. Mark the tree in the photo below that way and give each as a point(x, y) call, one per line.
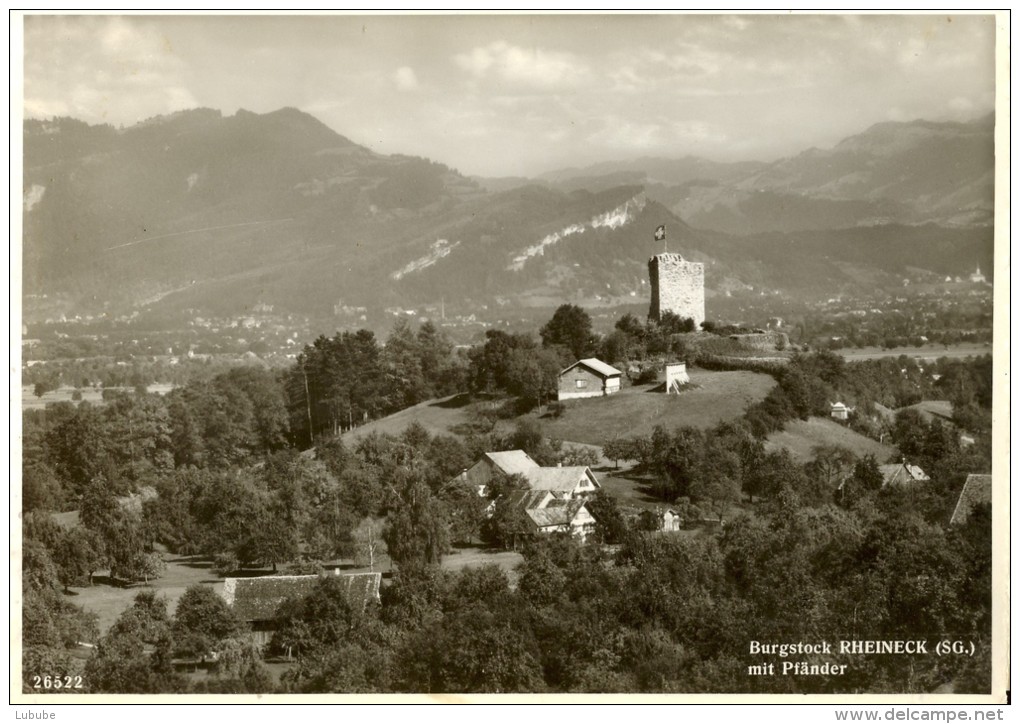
point(369, 543)
point(150, 565)
point(474, 649)
point(573, 455)
point(866, 479)
point(121, 664)
point(507, 525)
point(323, 619)
point(81, 553)
point(631, 326)
point(618, 449)
point(532, 374)
point(202, 622)
point(403, 357)
point(48, 382)
point(569, 327)
point(240, 668)
point(831, 465)
point(41, 489)
point(416, 533)
point(610, 526)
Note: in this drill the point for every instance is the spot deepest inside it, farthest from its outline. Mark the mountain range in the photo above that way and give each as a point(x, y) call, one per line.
point(198, 210)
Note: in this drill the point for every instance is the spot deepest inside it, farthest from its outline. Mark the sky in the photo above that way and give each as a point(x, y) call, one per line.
point(504, 95)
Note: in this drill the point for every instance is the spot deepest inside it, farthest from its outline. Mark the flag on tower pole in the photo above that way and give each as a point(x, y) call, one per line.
point(660, 235)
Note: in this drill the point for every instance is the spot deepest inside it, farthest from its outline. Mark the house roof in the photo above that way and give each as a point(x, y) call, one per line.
point(902, 473)
point(529, 499)
point(559, 480)
point(512, 462)
point(977, 490)
point(560, 513)
point(597, 366)
point(258, 599)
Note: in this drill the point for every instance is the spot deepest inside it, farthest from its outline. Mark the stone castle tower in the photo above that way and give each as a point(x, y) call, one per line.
point(678, 286)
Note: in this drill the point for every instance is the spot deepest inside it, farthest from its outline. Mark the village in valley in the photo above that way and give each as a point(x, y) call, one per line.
point(633, 354)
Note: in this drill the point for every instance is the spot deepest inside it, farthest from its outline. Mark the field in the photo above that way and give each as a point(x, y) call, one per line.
point(927, 352)
point(64, 394)
point(436, 416)
point(108, 601)
point(801, 436)
point(712, 397)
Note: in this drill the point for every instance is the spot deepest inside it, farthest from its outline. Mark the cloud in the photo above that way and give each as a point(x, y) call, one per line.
point(619, 133)
point(102, 69)
point(405, 78)
point(528, 67)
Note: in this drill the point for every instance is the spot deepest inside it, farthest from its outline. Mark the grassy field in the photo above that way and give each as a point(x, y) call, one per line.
point(801, 436)
point(109, 601)
point(436, 416)
point(711, 398)
point(64, 394)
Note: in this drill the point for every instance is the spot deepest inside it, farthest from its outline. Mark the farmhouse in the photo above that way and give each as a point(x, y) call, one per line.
point(508, 462)
point(257, 600)
point(562, 516)
point(588, 378)
point(550, 511)
point(576, 481)
point(976, 491)
point(902, 473)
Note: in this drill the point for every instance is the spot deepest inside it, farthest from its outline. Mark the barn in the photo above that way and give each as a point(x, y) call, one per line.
point(257, 600)
point(588, 378)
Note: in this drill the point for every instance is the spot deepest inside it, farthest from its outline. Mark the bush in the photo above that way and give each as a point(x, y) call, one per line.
point(556, 409)
point(646, 376)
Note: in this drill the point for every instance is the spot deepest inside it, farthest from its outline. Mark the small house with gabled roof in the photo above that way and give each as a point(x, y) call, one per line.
point(588, 378)
point(902, 473)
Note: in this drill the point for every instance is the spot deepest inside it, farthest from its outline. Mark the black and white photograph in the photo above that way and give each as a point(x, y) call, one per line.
point(500, 353)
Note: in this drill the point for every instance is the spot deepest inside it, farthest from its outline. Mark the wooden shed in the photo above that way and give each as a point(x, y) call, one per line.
point(588, 378)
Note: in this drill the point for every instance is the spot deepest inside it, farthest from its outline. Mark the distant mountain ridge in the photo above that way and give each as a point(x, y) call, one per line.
point(198, 210)
point(908, 173)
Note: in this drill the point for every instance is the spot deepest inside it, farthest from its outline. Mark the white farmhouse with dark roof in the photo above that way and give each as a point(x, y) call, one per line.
point(588, 378)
